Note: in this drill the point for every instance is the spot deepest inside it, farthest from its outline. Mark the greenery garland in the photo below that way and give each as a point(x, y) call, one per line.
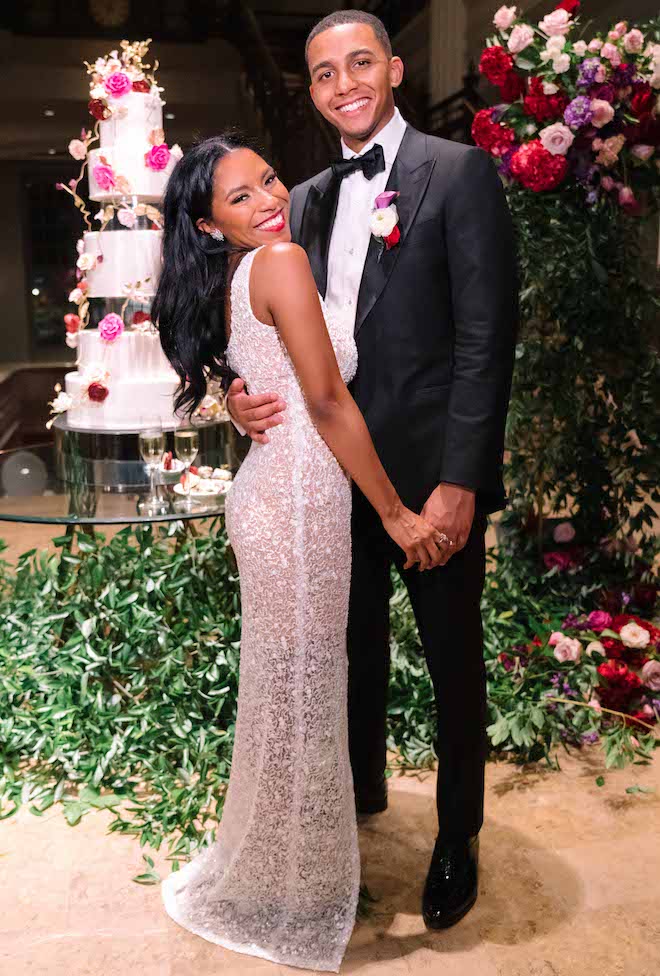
point(118, 681)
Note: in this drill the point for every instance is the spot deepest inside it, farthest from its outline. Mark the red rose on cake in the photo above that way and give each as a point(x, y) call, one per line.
point(142, 86)
point(97, 391)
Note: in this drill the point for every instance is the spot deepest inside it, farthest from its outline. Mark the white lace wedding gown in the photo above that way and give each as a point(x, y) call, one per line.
point(282, 880)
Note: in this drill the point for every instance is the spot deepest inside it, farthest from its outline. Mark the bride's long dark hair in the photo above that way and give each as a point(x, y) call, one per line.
point(189, 306)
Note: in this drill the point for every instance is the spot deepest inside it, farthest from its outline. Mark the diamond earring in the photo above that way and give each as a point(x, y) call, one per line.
point(217, 235)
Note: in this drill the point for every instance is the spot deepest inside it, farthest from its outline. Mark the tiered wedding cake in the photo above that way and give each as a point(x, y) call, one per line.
point(123, 381)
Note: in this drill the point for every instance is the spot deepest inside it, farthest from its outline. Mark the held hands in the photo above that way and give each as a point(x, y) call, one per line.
point(255, 414)
point(450, 509)
point(418, 538)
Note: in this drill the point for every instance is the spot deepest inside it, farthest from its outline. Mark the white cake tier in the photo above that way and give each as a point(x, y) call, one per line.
point(134, 117)
point(127, 160)
point(131, 404)
point(132, 355)
point(128, 256)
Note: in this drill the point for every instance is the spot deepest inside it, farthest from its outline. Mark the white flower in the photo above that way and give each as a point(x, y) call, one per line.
point(80, 245)
point(98, 91)
point(176, 151)
point(530, 129)
point(635, 636)
point(549, 88)
point(561, 64)
point(384, 221)
point(580, 48)
point(71, 339)
point(86, 261)
point(76, 296)
point(63, 401)
point(568, 649)
point(100, 215)
point(595, 646)
point(126, 217)
point(77, 149)
point(94, 373)
point(555, 43)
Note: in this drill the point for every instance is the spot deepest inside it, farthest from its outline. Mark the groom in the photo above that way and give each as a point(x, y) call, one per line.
point(435, 312)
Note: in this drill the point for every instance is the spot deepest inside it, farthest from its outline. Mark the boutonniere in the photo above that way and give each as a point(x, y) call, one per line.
point(385, 221)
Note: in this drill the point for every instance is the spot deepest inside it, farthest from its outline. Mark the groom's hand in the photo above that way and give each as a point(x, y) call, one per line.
point(255, 414)
point(450, 508)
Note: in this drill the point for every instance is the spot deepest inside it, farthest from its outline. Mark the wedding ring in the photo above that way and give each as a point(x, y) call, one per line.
point(445, 538)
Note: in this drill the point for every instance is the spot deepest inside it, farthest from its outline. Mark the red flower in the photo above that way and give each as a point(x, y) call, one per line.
point(98, 108)
point(642, 716)
point(71, 322)
point(645, 595)
point(622, 683)
point(613, 647)
point(139, 317)
point(512, 87)
point(495, 64)
point(494, 137)
point(642, 100)
point(537, 170)
point(142, 86)
point(97, 392)
point(543, 106)
point(569, 5)
point(551, 559)
point(392, 238)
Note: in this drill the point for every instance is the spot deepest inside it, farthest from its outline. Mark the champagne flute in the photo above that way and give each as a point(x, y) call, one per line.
point(186, 448)
point(151, 442)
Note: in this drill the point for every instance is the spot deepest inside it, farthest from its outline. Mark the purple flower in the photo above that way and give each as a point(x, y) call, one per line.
point(625, 599)
point(606, 91)
point(590, 736)
point(624, 74)
point(498, 111)
point(578, 112)
point(587, 72)
point(505, 161)
point(555, 679)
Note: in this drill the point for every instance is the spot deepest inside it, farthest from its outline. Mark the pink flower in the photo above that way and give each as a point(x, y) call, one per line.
point(555, 637)
point(77, 149)
point(612, 54)
point(557, 139)
point(602, 111)
point(595, 704)
point(521, 37)
point(568, 649)
point(104, 176)
point(599, 619)
point(650, 675)
point(580, 47)
point(642, 151)
point(126, 217)
point(111, 327)
point(557, 22)
point(504, 17)
point(626, 197)
point(621, 27)
point(633, 41)
point(594, 45)
point(118, 84)
point(607, 182)
point(157, 158)
point(609, 149)
point(564, 532)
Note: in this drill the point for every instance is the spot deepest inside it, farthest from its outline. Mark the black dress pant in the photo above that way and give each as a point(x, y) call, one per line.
point(446, 604)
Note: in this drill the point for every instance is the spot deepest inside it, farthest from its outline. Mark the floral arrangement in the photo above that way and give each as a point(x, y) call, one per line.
point(117, 75)
point(572, 109)
point(608, 664)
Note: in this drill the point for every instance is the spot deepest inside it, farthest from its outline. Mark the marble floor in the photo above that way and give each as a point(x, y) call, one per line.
point(569, 886)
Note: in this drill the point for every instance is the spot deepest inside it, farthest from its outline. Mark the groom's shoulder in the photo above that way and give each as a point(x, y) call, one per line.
point(302, 189)
point(445, 150)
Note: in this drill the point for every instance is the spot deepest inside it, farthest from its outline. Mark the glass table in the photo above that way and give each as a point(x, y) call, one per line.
point(38, 484)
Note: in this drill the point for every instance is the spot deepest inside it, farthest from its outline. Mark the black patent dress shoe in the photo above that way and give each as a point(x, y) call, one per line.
point(451, 885)
point(374, 800)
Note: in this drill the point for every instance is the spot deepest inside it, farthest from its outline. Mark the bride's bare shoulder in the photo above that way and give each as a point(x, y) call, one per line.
point(281, 262)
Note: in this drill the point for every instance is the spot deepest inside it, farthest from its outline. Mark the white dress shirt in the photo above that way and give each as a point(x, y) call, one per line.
point(351, 234)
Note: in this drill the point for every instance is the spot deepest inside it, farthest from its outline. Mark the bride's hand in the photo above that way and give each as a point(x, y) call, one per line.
point(417, 537)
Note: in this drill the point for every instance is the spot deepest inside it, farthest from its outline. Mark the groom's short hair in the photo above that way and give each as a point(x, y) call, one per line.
point(341, 17)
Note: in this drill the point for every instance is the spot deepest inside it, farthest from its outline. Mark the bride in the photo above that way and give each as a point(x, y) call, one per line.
point(282, 880)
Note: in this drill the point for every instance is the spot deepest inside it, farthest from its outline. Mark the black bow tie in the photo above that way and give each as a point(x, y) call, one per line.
point(370, 163)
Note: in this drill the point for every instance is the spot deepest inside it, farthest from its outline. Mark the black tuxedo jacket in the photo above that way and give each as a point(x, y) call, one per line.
point(436, 320)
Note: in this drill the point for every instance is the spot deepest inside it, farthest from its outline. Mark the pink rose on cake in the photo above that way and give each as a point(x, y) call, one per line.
point(77, 149)
point(111, 327)
point(104, 176)
point(157, 158)
point(117, 84)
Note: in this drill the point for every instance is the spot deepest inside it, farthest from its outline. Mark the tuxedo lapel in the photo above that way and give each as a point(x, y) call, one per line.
point(410, 176)
point(316, 225)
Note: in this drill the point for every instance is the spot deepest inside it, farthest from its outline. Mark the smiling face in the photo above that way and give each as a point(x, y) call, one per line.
point(352, 81)
point(250, 204)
